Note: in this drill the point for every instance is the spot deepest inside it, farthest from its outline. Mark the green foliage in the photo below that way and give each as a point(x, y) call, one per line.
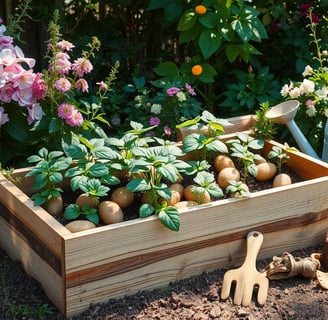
point(248, 89)
point(93, 160)
point(244, 148)
point(48, 174)
point(162, 104)
point(205, 181)
point(73, 212)
point(155, 165)
point(280, 156)
point(238, 189)
point(263, 127)
point(204, 142)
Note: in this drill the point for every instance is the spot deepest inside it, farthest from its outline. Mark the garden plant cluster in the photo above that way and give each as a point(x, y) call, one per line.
point(212, 55)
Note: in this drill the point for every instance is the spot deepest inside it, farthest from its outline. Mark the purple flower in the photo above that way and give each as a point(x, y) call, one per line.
point(190, 89)
point(172, 91)
point(154, 121)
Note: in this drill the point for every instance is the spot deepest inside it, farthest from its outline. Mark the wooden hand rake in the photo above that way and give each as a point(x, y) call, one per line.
point(247, 277)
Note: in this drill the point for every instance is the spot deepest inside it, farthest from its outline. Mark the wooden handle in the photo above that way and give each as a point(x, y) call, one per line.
point(254, 243)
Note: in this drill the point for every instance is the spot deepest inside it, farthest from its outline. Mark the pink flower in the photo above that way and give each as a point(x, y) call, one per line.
point(82, 85)
point(62, 63)
point(6, 41)
point(65, 45)
point(39, 87)
point(24, 80)
point(3, 116)
point(167, 130)
point(76, 119)
point(102, 85)
point(190, 89)
point(6, 93)
point(35, 113)
point(24, 97)
point(65, 111)
point(154, 121)
point(62, 85)
point(309, 103)
point(172, 91)
point(82, 66)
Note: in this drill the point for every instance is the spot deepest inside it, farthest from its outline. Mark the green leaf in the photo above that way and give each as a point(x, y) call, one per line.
point(252, 169)
point(170, 218)
point(187, 20)
point(78, 181)
point(204, 178)
point(105, 153)
point(72, 212)
point(169, 172)
point(55, 177)
point(61, 164)
point(166, 69)
point(215, 190)
point(93, 217)
point(164, 193)
point(76, 151)
point(209, 43)
point(232, 52)
point(210, 20)
point(217, 146)
point(146, 210)
point(256, 144)
point(98, 170)
point(138, 185)
point(192, 142)
point(38, 199)
point(40, 181)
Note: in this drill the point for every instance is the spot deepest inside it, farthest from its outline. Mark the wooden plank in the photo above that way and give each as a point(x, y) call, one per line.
point(41, 224)
point(306, 166)
point(137, 239)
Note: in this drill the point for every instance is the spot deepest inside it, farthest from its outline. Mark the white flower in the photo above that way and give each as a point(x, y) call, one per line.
point(322, 93)
point(307, 71)
point(181, 96)
point(138, 99)
point(285, 90)
point(307, 86)
point(295, 92)
point(311, 111)
point(156, 108)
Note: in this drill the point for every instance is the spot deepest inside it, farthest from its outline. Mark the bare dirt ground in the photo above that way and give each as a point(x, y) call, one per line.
point(195, 298)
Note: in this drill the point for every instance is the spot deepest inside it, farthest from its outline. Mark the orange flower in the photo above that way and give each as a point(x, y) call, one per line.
point(197, 69)
point(200, 9)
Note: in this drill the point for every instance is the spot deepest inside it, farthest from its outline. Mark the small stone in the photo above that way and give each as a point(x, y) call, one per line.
point(215, 312)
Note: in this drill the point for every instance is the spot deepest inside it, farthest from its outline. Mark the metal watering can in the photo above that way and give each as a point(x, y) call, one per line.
point(284, 113)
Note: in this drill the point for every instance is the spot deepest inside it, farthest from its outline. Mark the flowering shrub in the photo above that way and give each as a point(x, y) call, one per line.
point(165, 109)
point(312, 91)
point(42, 109)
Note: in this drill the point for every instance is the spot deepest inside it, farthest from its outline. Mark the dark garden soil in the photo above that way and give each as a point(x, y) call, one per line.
point(197, 297)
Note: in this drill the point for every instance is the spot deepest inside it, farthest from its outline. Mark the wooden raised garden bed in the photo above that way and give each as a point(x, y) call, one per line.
point(76, 269)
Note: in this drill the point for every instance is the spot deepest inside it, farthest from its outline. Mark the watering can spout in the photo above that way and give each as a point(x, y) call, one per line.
point(284, 113)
